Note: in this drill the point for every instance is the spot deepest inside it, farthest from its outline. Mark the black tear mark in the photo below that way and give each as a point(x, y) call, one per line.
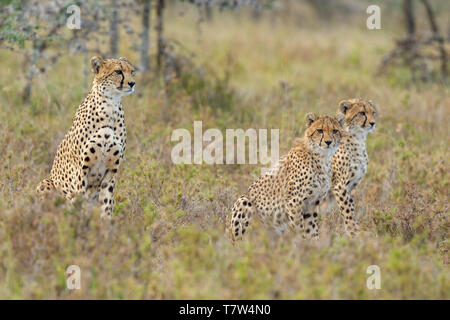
point(365, 117)
point(121, 82)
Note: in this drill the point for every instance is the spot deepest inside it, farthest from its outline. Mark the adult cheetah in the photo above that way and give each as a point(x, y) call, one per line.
point(349, 163)
point(88, 158)
point(289, 195)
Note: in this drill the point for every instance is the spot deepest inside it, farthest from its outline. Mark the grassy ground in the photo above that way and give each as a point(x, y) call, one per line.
point(167, 239)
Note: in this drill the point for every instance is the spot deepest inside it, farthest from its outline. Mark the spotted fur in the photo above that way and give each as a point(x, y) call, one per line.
point(89, 156)
point(290, 194)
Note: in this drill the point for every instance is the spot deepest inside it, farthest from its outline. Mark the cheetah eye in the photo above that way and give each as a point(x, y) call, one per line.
point(362, 113)
point(133, 73)
point(320, 131)
point(335, 131)
point(118, 71)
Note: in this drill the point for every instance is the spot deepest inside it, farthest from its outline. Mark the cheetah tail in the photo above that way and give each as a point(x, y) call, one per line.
point(44, 187)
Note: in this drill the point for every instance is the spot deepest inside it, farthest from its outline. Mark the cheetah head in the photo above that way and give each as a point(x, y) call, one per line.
point(114, 77)
point(323, 133)
point(360, 116)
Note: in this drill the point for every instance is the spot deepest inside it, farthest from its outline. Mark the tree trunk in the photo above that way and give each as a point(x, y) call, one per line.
point(86, 69)
point(408, 11)
point(437, 36)
point(26, 96)
point(160, 30)
point(114, 27)
point(145, 61)
point(208, 11)
point(256, 11)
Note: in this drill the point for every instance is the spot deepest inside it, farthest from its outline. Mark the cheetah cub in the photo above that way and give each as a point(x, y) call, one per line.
point(349, 163)
point(289, 195)
point(88, 158)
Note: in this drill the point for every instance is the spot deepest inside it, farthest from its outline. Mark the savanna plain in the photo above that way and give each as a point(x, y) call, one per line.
point(167, 238)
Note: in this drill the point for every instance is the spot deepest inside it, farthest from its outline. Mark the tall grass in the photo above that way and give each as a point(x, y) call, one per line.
point(167, 239)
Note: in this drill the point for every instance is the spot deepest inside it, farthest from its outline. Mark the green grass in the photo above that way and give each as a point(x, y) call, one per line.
point(167, 240)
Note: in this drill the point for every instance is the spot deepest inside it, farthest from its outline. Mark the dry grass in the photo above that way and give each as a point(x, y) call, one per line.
point(167, 239)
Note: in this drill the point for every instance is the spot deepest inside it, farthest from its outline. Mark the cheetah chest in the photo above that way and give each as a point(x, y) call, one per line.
point(104, 153)
point(323, 184)
point(358, 168)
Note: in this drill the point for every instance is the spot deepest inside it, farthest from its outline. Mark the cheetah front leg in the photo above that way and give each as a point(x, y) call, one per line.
point(295, 215)
point(311, 222)
point(103, 152)
point(347, 209)
point(106, 195)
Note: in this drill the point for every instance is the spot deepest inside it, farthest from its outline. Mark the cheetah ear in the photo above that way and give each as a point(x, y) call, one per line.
point(310, 118)
point(96, 63)
point(372, 104)
point(341, 119)
point(128, 61)
point(344, 105)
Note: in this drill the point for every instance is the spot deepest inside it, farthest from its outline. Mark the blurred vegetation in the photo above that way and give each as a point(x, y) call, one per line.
point(167, 239)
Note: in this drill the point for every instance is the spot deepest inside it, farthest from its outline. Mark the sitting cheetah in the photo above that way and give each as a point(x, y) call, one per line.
point(289, 195)
point(349, 163)
point(89, 156)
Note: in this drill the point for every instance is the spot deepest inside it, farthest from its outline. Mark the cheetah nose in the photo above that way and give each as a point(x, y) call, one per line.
point(131, 84)
point(328, 142)
point(372, 123)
